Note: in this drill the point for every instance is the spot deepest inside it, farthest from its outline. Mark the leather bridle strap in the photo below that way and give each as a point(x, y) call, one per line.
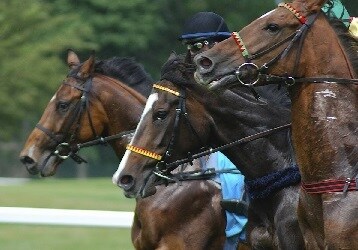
point(228, 145)
point(55, 137)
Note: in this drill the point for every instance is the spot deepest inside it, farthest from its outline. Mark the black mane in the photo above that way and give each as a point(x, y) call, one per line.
point(128, 71)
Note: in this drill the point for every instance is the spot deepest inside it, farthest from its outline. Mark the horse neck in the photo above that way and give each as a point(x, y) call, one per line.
point(324, 54)
point(324, 116)
point(235, 116)
point(122, 106)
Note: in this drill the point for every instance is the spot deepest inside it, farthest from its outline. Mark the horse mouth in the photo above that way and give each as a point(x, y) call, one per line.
point(217, 83)
point(49, 166)
point(46, 166)
point(142, 189)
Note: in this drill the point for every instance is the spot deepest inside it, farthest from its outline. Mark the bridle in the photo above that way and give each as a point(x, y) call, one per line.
point(180, 111)
point(260, 73)
point(325, 186)
point(65, 147)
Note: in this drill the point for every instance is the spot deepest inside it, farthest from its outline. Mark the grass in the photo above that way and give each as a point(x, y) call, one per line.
point(95, 193)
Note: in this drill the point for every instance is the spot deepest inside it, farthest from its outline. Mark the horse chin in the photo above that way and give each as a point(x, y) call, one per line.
point(148, 188)
point(48, 165)
point(222, 82)
point(215, 84)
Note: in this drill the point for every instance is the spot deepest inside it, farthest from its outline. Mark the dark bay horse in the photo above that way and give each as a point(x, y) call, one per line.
point(299, 46)
point(90, 103)
point(168, 219)
point(181, 116)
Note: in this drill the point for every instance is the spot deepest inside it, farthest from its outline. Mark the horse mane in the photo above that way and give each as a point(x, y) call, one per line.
point(128, 71)
point(349, 42)
point(179, 70)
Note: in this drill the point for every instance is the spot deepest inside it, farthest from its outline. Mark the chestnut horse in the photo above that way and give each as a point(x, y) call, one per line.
point(298, 46)
point(181, 116)
point(169, 218)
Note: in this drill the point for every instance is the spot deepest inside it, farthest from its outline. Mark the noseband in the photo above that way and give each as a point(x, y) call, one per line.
point(296, 37)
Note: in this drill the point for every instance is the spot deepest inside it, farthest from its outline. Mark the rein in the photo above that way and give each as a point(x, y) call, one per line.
point(260, 72)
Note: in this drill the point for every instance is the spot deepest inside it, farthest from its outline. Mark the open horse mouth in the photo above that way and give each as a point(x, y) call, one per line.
point(218, 83)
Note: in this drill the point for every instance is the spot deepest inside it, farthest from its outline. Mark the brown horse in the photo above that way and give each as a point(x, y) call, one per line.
point(168, 219)
point(88, 105)
point(297, 45)
point(182, 117)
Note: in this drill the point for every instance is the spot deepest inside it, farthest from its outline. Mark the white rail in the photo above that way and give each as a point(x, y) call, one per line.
point(68, 217)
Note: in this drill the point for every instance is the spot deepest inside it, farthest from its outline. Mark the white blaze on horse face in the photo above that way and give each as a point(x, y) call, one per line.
point(264, 15)
point(53, 98)
point(148, 107)
point(31, 151)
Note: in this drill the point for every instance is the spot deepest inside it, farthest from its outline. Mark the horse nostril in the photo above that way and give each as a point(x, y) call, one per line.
point(126, 182)
point(27, 160)
point(205, 62)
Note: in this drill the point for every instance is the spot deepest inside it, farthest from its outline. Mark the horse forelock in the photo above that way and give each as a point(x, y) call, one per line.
point(178, 71)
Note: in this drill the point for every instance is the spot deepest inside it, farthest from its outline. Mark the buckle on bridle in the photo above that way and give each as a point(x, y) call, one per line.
point(290, 81)
point(248, 71)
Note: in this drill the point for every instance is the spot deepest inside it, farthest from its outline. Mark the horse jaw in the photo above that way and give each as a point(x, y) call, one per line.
point(40, 162)
point(219, 83)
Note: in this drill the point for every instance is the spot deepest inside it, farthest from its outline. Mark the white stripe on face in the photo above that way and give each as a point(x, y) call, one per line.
point(53, 98)
point(148, 107)
point(264, 15)
point(31, 151)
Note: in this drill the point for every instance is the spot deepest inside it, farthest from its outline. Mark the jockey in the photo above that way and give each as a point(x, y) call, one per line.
point(201, 32)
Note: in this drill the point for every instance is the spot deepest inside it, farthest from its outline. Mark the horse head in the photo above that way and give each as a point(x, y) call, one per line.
point(92, 103)
point(273, 49)
point(165, 116)
point(68, 119)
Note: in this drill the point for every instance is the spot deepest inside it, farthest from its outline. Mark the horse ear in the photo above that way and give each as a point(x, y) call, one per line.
point(87, 67)
point(314, 5)
point(172, 56)
point(72, 59)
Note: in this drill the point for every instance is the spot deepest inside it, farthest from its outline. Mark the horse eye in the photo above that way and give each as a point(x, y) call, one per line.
point(63, 106)
point(160, 115)
point(272, 27)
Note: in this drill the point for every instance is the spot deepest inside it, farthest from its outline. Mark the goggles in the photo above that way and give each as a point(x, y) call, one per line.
point(196, 47)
